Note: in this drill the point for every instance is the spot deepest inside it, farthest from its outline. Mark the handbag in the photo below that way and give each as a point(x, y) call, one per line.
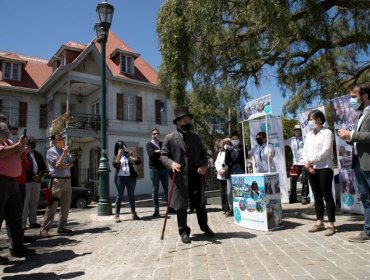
point(47, 195)
point(294, 171)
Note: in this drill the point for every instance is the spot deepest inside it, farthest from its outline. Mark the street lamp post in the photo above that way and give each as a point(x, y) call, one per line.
point(105, 15)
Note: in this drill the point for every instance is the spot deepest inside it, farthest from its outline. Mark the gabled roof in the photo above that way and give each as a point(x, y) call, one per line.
point(143, 71)
point(34, 74)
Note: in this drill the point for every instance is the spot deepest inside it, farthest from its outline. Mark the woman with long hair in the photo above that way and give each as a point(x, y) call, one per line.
point(126, 176)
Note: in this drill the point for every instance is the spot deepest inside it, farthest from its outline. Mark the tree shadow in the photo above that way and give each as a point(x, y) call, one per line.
point(44, 276)
point(39, 260)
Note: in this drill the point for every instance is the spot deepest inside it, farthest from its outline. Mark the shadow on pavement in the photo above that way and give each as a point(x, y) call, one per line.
point(41, 259)
point(45, 276)
point(221, 236)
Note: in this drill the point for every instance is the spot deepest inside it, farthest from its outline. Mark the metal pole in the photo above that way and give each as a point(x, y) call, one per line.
point(104, 205)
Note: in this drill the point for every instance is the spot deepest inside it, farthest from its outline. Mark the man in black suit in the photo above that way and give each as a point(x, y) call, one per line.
point(182, 152)
point(360, 137)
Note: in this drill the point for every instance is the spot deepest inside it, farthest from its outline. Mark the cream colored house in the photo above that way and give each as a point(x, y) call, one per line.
point(37, 94)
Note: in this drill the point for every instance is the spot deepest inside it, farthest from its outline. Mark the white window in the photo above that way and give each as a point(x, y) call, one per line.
point(95, 108)
point(11, 71)
point(129, 108)
point(11, 109)
point(127, 64)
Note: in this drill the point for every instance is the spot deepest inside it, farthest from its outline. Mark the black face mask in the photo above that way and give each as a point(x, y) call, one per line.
point(186, 127)
point(259, 141)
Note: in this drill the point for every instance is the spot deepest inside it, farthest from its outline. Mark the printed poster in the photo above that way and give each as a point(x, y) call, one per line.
point(257, 203)
point(344, 117)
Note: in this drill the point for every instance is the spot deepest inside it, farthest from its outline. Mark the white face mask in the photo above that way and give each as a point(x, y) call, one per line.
point(354, 103)
point(235, 142)
point(312, 124)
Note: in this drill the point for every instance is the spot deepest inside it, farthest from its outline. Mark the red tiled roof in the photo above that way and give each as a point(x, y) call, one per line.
point(35, 72)
point(76, 45)
point(143, 71)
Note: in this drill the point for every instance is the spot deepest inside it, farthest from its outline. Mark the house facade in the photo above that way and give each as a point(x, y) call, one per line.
point(63, 94)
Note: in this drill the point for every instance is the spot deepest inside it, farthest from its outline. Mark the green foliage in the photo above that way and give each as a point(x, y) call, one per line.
point(319, 49)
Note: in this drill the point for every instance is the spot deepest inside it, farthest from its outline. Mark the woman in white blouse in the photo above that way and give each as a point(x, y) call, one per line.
point(318, 160)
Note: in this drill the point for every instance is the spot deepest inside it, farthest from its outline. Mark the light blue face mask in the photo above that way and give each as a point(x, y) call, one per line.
point(354, 103)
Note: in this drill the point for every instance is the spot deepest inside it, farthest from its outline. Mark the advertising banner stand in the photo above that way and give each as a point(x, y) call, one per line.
point(256, 197)
point(257, 202)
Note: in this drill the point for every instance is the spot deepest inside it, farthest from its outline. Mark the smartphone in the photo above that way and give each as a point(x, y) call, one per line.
point(25, 133)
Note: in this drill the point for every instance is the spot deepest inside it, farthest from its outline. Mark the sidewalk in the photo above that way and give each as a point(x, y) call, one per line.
point(101, 249)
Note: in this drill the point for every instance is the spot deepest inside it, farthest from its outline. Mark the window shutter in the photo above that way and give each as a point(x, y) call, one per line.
point(1, 105)
point(157, 111)
point(50, 112)
point(43, 117)
point(120, 106)
point(22, 122)
point(139, 109)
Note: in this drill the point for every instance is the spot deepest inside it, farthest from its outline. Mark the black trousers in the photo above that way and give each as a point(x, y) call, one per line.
point(321, 185)
point(293, 185)
point(223, 193)
point(195, 194)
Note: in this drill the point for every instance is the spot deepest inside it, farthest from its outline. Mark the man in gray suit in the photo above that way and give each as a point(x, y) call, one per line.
point(360, 137)
point(182, 152)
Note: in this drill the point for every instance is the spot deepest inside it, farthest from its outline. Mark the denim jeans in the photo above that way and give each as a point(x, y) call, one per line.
point(156, 175)
point(363, 179)
point(121, 183)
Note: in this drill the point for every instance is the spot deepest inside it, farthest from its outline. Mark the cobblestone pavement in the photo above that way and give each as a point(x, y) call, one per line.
point(101, 249)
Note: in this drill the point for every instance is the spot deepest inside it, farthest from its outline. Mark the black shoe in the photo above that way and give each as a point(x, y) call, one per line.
point(35, 225)
point(3, 260)
point(135, 216)
point(291, 201)
point(172, 211)
point(191, 211)
point(304, 201)
point(23, 252)
point(28, 239)
point(185, 237)
point(156, 213)
point(208, 232)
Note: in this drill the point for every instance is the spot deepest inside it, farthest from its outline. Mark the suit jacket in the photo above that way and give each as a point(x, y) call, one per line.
point(174, 149)
point(361, 136)
point(41, 166)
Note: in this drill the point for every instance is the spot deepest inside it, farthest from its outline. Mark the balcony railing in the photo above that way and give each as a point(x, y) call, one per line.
point(75, 120)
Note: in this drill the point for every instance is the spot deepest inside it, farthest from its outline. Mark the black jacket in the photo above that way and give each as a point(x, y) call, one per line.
point(131, 162)
point(154, 161)
point(40, 165)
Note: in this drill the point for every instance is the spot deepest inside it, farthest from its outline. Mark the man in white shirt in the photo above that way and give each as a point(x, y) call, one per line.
point(296, 145)
point(360, 137)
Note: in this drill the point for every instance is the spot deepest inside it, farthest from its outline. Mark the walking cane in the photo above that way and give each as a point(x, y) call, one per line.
point(168, 204)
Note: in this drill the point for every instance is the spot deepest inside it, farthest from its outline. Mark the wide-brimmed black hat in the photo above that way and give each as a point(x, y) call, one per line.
point(181, 111)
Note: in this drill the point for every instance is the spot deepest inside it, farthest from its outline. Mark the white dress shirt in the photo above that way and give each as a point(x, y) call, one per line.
point(318, 149)
point(296, 145)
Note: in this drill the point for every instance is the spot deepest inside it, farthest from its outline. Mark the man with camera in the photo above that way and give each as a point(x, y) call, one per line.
point(59, 162)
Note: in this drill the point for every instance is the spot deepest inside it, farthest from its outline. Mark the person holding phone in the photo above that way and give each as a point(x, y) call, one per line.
point(60, 162)
point(10, 197)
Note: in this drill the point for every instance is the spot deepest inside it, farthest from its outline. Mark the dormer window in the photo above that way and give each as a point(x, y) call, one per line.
point(127, 64)
point(12, 71)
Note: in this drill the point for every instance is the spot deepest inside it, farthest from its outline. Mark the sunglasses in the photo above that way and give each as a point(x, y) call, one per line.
point(156, 133)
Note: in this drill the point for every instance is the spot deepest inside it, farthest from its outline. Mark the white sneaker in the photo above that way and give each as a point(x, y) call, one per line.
point(117, 219)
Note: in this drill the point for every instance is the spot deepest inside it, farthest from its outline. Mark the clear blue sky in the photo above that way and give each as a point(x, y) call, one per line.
point(38, 28)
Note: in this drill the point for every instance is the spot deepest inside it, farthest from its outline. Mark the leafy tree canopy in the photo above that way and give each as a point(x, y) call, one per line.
point(318, 48)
